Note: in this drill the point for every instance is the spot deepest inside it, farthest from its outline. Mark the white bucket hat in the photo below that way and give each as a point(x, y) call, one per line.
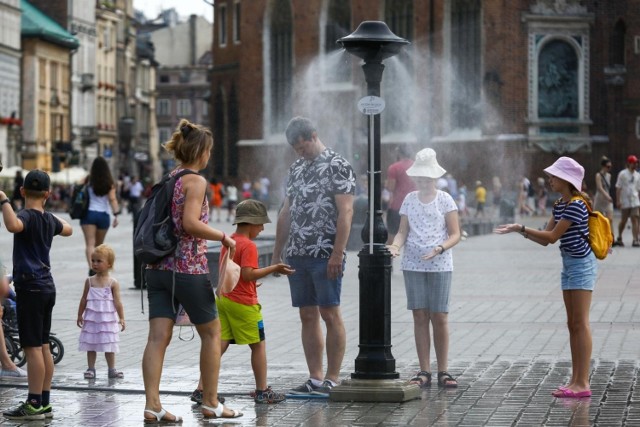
point(426, 165)
point(568, 169)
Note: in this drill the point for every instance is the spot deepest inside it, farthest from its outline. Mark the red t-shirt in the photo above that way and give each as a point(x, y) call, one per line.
point(404, 184)
point(246, 256)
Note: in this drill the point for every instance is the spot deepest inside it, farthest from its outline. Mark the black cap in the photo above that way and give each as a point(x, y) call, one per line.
point(37, 180)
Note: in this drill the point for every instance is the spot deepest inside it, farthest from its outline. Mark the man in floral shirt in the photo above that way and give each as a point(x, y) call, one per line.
point(314, 226)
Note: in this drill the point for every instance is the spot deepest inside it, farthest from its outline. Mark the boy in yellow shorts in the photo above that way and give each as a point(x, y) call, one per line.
point(239, 310)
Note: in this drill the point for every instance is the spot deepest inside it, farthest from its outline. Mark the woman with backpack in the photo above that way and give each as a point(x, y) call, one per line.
point(102, 199)
point(184, 277)
point(569, 224)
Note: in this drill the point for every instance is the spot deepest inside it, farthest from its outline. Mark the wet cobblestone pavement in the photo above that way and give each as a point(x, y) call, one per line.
point(509, 347)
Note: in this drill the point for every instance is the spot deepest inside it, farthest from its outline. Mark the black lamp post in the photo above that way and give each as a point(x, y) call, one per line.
point(373, 42)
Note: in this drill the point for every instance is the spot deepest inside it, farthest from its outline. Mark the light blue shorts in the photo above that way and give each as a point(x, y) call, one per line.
point(578, 273)
point(310, 285)
point(428, 290)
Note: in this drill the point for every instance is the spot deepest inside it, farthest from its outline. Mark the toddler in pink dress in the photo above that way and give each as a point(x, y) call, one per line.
point(101, 314)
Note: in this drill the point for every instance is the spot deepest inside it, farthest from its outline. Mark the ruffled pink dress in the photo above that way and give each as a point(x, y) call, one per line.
point(101, 330)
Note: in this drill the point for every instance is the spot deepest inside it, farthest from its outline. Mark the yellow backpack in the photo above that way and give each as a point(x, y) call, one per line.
point(600, 237)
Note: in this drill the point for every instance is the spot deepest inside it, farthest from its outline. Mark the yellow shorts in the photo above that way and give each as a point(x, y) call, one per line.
point(240, 324)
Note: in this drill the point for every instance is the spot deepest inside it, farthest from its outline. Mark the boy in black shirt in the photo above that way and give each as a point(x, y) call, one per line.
point(33, 230)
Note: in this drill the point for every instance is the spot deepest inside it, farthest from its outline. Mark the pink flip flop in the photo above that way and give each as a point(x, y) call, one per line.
point(565, 392)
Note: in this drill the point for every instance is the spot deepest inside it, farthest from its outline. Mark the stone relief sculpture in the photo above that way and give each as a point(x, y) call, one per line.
point(558, 7)
point(558, 81)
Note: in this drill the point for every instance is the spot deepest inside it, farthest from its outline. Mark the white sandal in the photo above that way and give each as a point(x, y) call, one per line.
point(159, 417)
point(218, 411)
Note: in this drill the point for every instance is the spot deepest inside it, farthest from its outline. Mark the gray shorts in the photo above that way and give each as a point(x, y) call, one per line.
point(193, 291)
point(428, 290)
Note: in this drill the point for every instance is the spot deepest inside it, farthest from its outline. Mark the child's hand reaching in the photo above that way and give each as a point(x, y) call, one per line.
point(283, 269)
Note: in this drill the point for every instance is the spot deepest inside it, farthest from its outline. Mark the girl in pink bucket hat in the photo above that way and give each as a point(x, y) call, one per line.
point(569, 225)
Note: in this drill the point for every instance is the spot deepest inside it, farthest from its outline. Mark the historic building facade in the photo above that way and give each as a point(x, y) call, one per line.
point(45, 85)
point(497, 88)
point(10, 122)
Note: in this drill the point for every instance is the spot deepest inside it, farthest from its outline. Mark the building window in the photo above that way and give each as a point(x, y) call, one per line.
point(338, 64)
point(617, 44)
point(280, 57)
point(164, 78)
point(184, 108)
point(164, 134)
point(465, 64)
point(205, 109)
point(163, 107)
point(236, 21)
point(222, 25)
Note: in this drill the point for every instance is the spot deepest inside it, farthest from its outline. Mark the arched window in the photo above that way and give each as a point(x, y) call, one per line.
point(398, 79)
point(558, 81)
point(280, 57)
point(617, 44)
point(465, 63)
point(338, 25)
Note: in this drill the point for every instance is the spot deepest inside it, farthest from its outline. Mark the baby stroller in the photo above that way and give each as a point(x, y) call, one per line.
point(11, 339)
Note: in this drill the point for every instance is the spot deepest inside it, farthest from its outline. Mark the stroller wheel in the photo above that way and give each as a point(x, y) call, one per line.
point(56, 348)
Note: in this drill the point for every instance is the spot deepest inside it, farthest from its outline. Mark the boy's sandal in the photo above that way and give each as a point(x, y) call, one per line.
point(159, 417)
point(218, 412)
point(90, 374)
point(114, 373)
point(446, 380)
point(419, 379)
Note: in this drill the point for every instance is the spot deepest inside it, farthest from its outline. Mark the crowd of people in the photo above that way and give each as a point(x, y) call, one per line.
point(425, 204)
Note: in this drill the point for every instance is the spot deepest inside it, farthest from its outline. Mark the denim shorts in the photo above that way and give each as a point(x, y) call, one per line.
point(99, 219)
point(310, 285)
point(428, 290)
point(193, 291)
point(578, 273)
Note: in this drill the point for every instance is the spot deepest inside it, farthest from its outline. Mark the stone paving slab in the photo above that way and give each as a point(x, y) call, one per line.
point(509, 346)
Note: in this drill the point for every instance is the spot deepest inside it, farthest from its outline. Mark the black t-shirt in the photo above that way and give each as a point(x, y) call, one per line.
point(31, 247)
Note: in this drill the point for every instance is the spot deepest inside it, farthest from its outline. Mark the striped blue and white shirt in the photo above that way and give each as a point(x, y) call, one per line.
point(574, 241)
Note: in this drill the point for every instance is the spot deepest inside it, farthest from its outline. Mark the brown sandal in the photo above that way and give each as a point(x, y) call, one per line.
point(419, 380)
point(446, 380)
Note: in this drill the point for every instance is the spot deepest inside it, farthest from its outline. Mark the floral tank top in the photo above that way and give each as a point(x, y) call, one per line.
point(191, 254)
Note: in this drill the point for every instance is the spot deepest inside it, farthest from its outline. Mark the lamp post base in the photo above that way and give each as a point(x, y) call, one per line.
point(356, 390)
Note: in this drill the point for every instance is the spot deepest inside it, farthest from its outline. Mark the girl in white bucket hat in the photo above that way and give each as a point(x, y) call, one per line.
point(428, 229)
point(569, 224)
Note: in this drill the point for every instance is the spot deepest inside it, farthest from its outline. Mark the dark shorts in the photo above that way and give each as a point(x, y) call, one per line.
point(99, 219)
point(34, 309)
point(393, 221)
point(193, 291)
point(310, 285)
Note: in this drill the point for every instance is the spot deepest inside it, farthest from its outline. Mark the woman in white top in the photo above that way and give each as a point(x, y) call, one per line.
point(102, 198)
point(429, 228)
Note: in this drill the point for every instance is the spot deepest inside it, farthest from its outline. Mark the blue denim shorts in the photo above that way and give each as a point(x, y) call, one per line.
point(310, 285)
point(578, 273)
point(99, 219)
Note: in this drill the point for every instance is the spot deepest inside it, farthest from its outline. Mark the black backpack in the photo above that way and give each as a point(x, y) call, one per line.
point(154, 237)
point(79, 201)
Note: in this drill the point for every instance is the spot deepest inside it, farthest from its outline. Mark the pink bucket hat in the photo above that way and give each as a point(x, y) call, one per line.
point(568, 169)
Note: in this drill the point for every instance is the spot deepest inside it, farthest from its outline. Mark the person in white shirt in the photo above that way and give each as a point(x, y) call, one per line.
point(627, 187)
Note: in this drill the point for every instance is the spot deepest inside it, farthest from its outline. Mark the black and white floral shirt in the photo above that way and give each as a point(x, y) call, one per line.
point(311, 187)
